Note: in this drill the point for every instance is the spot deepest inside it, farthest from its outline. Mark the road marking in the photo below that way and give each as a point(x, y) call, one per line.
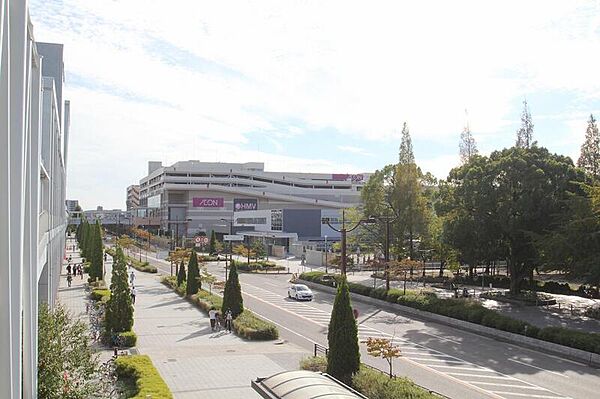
point(539, 368)
point(509, 385)
point(442, 338)
point(422, 359)
point(530, 395)
point(495, 377)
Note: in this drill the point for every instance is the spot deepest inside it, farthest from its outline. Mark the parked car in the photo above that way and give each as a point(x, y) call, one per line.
point(300, 292)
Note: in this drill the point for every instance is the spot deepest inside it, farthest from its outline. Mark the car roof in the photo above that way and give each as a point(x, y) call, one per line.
point(299, 285)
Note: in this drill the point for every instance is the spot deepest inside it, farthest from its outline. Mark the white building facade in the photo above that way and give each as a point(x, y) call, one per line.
point(32, 193)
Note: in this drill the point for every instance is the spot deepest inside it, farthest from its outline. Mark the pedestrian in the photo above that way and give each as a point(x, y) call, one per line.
point(69, 270)
point(212, 315)
point(133, 294)
point(69, 258)
point(80, 266)
point(131, 278)
point(69, 279)
point(105, 256)
point(228, 319)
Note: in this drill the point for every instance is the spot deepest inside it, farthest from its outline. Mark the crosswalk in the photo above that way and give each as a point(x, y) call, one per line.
point(481, 378)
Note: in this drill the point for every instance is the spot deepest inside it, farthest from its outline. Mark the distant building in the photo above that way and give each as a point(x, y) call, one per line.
point(72, 205)
point(33, 146)
point(133, 197)
point(191, 197)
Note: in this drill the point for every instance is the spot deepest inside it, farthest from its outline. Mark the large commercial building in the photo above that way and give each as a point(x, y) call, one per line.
point(193, 197)
point(33, 142)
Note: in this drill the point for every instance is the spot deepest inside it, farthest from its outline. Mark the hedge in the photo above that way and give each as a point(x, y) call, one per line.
point(148, 381)
point(128, 338)
point(99, 294)
point(247, 325)
point(261, 265)
point(464, 309)
point(372, 383)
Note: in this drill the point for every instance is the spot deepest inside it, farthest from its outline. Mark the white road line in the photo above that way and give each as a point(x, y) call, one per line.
point(456, 367)
point(509, 385)
point(496, 377)
point(422, 359)
point(442, 338)
point(539, 368)
point(529, 395)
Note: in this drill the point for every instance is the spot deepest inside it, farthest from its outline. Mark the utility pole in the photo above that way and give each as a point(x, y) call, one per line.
point(344, 231)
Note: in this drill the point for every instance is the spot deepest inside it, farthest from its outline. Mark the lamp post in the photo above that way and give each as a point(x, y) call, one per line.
point(386, 250)
point(343, 230)
point(230, 244)
point(326, 250)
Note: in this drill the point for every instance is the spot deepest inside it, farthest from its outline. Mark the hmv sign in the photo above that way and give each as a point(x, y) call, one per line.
point(244, 204)
point(208, 202)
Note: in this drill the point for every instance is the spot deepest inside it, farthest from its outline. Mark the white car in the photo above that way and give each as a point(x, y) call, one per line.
point(300, 292)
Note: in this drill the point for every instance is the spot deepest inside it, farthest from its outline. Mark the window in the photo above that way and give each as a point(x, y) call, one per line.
point(251, 221)
point(276, 220)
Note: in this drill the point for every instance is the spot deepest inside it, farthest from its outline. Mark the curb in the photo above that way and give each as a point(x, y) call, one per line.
point(588, 358)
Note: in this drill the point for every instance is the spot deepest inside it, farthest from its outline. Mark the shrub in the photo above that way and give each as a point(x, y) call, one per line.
point(249, 326)
point(593, 312)
point(374, 384)
point(193, 274)
point(128, 338)
point(314, 363)
point(119, 309)
point(100, 295)
point(148, 381)
point(181, 274)
point(232, 296)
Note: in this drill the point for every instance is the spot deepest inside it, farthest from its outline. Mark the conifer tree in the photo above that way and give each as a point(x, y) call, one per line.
point(406, 155)
point(119, 310)
point(193, 274)
point(96, 253)
point(590, 150)
point(181, 274)
point(232, 296)
point(525, 132)
point(213, 243)
point(467, 145)
point(343, 358)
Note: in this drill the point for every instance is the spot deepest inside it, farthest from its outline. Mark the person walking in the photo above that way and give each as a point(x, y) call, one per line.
point(133, 293)
point(212, 315)
point(80, 267)
point(132, 278)
point(228, 319)
point(69, 279)
point(69, 269)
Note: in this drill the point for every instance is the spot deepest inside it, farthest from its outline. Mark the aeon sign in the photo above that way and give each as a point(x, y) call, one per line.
point(208, 202)
point(245, 204)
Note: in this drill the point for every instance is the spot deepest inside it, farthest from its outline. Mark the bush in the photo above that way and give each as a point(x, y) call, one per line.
point(314, 363)
point(100, 295)
point(376, 385)
point(128, 338)
point(148, 381)
point(248, 326)
point(593, 312)
point(232, 296)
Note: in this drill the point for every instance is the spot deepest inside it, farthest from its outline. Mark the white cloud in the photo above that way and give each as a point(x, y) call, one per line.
point(276, 67)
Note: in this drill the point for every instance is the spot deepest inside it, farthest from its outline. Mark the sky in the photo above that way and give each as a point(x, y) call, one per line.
point(319, 86)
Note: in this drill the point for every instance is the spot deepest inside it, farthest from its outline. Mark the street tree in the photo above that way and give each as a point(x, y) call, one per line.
point(406, 155)
point(525, 131)
point(212, 249)
point(193, 274)
point(590, 150)
point(467, 146)
point(181, 274)
point(343, 358)
point(119, 309)
point(385, 349)
point(96, 253)
point(66, 361)
point(232, 295)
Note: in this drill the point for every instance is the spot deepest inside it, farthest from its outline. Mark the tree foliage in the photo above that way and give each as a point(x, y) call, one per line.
point(66, 362)
point(232, 296)
point(181, 274)
point(406, 155)
point(385, 349)
point(590, 150)
point(119, 309)
point(467, 146)
point(96, 252)
point(343, 358)
point(525, 131)
point(212, 248)
point(193, 274)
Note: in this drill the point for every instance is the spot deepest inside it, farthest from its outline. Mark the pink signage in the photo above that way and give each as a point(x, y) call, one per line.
point(208, 202)
point(346, 177)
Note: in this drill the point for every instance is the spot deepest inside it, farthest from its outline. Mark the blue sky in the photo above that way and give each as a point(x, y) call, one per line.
point(312, 85)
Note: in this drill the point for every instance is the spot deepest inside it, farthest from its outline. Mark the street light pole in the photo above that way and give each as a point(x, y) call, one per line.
point(344, 231)
point(326, 250)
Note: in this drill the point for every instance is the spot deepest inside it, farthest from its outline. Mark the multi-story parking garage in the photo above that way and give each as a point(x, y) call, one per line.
point(193, 197)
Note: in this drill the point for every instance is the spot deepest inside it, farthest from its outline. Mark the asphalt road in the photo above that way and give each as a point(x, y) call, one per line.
point(450, 361)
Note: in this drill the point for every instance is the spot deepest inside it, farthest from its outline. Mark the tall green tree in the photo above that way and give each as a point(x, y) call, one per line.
point(119, 309)
point(467, 146)
point(590, 150)
point(232, 296)
point(213, 242)
point(343, 358)
point(193, 274)
point(96, 253)
point(64, 350)
point(406, 155)
point(525, 131)
point(181, 274)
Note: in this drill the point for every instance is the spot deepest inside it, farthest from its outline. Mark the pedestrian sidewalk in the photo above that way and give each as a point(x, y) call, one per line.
point(194, 361)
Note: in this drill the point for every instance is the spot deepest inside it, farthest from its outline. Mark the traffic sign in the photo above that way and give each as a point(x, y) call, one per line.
point(198, 240)
point(201, 240)
point(233, 237)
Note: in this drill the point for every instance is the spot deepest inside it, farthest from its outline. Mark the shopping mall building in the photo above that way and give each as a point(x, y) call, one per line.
point(193, 197)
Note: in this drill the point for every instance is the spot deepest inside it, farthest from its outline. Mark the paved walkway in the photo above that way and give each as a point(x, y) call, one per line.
point(194, 361)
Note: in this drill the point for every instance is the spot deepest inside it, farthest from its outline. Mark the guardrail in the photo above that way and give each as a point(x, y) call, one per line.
point(320, 349)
